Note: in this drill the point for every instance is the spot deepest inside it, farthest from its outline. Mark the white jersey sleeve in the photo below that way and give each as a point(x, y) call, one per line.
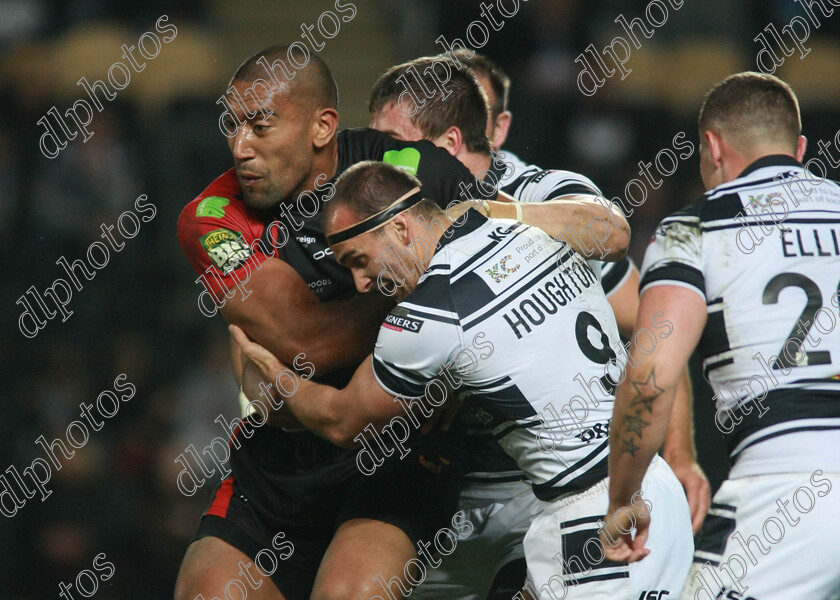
point(532, 184)
point(416, 344)
point(674, 256)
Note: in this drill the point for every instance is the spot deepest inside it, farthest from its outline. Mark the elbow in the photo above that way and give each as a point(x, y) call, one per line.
point(619, 237)
point(621, 243)
point(343, 437)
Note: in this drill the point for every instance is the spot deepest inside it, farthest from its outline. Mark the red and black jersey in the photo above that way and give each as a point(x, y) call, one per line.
point(220, 234)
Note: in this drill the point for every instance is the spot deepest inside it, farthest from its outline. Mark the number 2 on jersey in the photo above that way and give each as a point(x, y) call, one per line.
point(803, 324)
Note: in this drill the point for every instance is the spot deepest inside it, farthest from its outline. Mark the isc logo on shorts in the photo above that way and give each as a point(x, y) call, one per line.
point(654, 595)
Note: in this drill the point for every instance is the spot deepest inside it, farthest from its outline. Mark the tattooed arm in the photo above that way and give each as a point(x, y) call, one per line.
point(642, 412)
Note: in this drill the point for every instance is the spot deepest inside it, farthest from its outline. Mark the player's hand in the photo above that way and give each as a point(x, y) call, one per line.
point(697, 490)
point(283, 417)
point(265, 360)
point(624, 547)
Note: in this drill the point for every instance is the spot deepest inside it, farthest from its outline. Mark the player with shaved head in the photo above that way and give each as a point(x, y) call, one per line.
point(294, 504)
point(255, 238)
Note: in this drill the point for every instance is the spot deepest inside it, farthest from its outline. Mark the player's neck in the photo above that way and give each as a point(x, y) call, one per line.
point(738, 162)
point(324, 168)
point(477, 163)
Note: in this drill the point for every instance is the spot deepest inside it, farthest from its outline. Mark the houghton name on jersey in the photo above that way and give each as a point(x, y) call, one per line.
point(548, 320)
point(531, 184)
point(770, 349)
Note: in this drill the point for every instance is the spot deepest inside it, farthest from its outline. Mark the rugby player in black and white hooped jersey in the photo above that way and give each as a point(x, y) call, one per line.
point(750, 271)
point(465, 341)
point(495, 494)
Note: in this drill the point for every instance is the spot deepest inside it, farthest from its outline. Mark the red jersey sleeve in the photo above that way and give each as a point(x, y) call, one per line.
point(219, 235)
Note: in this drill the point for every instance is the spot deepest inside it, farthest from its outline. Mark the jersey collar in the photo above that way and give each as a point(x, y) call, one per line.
point(772, 160)
point(498, 170)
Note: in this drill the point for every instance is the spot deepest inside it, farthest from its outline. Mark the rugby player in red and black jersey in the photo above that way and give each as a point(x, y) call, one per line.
point(255, 239)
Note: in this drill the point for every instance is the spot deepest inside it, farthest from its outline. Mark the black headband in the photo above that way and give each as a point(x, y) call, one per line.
point(402, 203)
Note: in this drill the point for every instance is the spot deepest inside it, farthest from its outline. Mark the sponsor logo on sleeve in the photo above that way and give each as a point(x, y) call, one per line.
point(212, 206)
point(226, 249)
point(400, 321)
point(407, 159)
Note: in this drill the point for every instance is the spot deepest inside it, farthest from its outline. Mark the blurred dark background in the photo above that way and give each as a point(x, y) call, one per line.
point(159, 137)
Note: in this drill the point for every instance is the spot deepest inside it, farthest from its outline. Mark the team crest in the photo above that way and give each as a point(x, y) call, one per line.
point(500, 270)
point(762, 200)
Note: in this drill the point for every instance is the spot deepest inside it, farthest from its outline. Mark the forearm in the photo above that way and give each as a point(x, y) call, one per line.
point(264, 401)
point(650, 385)
point(679, 441)
point(333, 335)
point(319, 408)
point(640, 421)
point(338, 415)
point(592, 229)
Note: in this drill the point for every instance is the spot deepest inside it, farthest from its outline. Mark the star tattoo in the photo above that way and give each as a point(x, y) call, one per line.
point(635, 423)
point(646, 391)
point(630, 447)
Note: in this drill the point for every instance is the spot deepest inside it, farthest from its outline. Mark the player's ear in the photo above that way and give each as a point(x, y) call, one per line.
point(324, 127)
point(801, 147)
point(500, 129)
point(452, 140)
point(400, 225)
point(714, 142)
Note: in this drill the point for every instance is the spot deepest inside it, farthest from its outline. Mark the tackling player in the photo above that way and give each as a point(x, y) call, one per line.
point(495, 495)
point(750, 271)
point(256, 232)
point(470, 326)
point(254, 237)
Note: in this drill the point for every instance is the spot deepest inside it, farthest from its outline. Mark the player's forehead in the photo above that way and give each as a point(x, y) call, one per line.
point(339, 219)
point(248, 97)
point(365, 244)
point(392, 120)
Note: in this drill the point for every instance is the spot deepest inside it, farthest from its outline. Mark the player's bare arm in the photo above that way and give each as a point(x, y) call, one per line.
point(680, 450)
point(643, 407)
point(578, 213)
point(333, 334)
point(337, 415)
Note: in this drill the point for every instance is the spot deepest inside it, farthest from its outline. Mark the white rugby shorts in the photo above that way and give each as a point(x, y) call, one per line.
point(770, 537)
point(566, 558)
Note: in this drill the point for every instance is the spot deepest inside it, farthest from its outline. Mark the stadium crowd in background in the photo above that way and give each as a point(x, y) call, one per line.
point(119, 494)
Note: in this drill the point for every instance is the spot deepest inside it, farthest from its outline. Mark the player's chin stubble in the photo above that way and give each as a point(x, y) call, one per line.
point(261, 197)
